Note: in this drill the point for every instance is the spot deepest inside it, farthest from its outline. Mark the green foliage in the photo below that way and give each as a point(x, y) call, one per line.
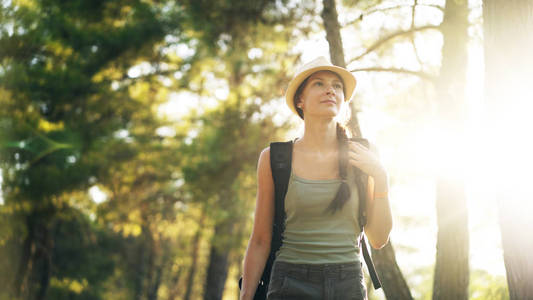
point(486, 286)
point(81, 83)
point(84, 257)
point(77, 113)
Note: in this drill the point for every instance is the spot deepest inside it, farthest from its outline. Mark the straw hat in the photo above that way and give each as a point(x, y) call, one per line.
point(319, 64)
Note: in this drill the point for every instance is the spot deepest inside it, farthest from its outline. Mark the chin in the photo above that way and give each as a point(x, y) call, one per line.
point(325, 113)
point(331, 113)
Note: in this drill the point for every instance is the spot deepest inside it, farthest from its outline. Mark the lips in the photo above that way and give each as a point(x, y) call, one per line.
point(329, 101)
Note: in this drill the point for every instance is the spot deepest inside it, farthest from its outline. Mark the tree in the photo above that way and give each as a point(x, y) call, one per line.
point(394, 284)
point(508, 44)
point(451, 268)
point(229, 138)
point(60, 112)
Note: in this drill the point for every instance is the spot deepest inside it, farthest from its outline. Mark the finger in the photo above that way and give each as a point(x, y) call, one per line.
point(353, 146)
point(357, 146)
point(361, 146)
point(353, 155)
point(353, 162)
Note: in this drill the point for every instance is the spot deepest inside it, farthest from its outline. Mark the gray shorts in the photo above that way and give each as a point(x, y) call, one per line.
point(316, 281)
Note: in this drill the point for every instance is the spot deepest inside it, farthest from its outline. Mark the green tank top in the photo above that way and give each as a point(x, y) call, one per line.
point(312, 236)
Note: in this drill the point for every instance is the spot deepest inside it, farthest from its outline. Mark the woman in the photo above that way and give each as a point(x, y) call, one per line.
point(319, 257)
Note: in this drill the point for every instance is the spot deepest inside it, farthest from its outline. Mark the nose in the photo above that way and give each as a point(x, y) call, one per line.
point(330, 90)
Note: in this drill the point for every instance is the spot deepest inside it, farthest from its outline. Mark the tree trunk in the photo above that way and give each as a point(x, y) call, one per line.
point(385, 260)
point(143, 265)
point(33, 273)
point(25, 264)
point(221, 245)
point(46, 262)
point(150, 265)
point(194, 263)
point(159, 261)
point(336, 53)
point(508, 76)
point(174, 283)
point(217, 270)
point(333, 34)
point(451, 268)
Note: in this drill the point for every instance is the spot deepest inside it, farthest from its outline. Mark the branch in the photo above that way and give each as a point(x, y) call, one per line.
point(361, 16)
point(390, 37)
point(411, 37)
point(420, 74)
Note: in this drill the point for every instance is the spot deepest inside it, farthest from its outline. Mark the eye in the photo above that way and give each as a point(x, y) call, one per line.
point(318, 83)
point(338, 86)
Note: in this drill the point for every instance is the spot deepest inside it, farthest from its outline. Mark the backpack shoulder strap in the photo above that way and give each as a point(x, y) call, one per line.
point(362, 221)
point(280, 163)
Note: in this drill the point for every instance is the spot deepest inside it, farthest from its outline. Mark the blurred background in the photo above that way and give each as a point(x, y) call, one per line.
point(130, 132)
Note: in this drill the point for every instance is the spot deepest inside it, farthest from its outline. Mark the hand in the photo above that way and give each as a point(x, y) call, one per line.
point(367, 161)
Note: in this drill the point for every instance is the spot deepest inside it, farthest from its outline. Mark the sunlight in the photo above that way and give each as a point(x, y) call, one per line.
point(97, 195)
point(165, 131)
point(427, 149)
point(509, 149)
point(179, 104)
point(143, 68)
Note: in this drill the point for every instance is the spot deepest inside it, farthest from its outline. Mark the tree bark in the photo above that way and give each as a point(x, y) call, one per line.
point(46, 262)
point(217, 271)
point(451, 269)
point(385, 260)
point(33, 273)
point(194, 263)
point(508, 76)
point(143, 268)
point(150, 265)
point(333, 34)
point(25, 263)
point(452, 265)
point(159, 261)
point(174, 283)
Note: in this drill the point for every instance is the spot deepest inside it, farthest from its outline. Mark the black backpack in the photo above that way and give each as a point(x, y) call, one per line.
point(280, 163)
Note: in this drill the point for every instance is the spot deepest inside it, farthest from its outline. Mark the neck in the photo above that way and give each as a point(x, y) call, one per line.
point(320, 134)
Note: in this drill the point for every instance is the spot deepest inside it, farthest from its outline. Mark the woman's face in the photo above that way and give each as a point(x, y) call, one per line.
point(322, 95)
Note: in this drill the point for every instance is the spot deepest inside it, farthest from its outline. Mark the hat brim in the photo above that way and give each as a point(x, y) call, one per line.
point(347, 77)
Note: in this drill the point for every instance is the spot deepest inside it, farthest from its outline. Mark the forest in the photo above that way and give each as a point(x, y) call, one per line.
point(130, 132)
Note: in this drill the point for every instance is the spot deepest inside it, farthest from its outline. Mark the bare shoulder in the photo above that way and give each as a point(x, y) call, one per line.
point(264, 210)
point(264, 171)
point(264, 161)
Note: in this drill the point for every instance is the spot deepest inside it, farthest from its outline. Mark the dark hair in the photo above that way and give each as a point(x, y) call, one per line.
point(300, 89)
point(297, 94)
point(360, 178)
point(343, 193)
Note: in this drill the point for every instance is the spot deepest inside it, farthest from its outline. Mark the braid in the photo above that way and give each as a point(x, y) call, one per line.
point(343, 193)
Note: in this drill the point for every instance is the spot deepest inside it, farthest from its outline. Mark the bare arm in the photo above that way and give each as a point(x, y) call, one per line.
point(379, 217)
point(259, 243)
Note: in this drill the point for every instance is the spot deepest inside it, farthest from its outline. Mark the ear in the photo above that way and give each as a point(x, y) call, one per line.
point(299, 102)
